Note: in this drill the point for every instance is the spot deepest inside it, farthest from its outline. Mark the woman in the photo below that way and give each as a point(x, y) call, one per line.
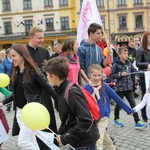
point(69, 50)
point(143, 63)
point(27, 80)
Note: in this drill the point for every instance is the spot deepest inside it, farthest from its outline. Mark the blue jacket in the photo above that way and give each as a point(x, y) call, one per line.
point(89, 54)
point(108, 94)
point(6, 67)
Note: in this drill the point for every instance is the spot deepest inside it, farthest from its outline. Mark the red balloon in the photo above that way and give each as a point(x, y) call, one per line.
point(107, 70)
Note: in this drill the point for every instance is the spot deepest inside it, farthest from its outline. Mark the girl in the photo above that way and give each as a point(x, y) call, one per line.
point(69, 50)
point(145, 102)
point(103, 94)
point(28, 81)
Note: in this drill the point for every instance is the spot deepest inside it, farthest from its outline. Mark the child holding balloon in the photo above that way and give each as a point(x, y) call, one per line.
point(28, 81)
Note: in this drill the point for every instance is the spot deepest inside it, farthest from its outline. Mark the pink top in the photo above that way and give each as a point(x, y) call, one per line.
point(74, 72)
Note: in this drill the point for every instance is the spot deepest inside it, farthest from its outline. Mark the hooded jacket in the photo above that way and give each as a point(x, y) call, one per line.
point(89, 54)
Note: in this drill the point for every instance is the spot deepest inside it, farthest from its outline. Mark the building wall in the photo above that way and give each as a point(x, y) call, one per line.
point(110, 12)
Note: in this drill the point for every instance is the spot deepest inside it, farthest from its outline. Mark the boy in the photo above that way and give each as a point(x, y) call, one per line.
point(77, 126)
point(89, 53)
point(124, 86)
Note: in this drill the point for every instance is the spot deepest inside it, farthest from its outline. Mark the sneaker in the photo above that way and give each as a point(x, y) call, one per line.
point(140, 125)
point(118, 123)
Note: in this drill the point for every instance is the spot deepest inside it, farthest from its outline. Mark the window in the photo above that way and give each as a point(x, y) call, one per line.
point(122, 22)
point(121, 2)
point(28, 26)
point(7, 28)
point(137, 1)
point(139, 21)
point(64, 23)
point(47, 3)
point(100, 3)
point(26, 4)
point(6, 5)
point(49, 24)
point(103, 22)
point(63, 2)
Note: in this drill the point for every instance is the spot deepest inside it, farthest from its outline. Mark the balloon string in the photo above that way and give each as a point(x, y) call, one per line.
point(56, 135)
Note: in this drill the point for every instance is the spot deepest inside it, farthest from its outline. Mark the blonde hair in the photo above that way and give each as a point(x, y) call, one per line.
point(34, 30)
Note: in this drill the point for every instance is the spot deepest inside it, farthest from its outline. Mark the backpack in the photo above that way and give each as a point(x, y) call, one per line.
point(91, 102)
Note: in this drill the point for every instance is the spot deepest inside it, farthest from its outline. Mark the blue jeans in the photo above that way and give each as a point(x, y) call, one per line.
point(92, 147)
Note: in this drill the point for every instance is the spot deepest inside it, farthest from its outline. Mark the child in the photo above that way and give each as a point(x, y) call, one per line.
point(103, 94)
point(124, 86)
point(145, 101)
point(77, 126)
point(5, 92)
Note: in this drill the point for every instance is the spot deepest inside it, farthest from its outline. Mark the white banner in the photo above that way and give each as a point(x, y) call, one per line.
point(47, 138)
point(89, 14)
point(147, 79)
point(3, 133)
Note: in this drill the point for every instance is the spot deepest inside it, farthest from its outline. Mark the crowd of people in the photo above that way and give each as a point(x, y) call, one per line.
point(39, 76)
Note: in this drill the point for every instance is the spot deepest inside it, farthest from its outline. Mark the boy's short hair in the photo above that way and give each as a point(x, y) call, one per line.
point(34, 30)
point(93, 28)
point(122, 49)
point(57, 66)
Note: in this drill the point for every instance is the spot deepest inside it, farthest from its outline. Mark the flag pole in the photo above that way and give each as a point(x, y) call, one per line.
point(57, 135)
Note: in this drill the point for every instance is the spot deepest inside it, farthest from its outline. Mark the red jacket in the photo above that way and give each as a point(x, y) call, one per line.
point(4, 120)
point(102, 44)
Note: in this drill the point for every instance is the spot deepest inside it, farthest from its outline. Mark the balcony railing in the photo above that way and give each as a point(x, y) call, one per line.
point(24, 35)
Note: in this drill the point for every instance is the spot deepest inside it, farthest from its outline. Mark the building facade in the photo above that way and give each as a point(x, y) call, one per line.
point(122, 19)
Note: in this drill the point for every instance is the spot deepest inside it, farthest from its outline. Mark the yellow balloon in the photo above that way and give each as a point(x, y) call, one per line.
point(35, 116)
point(4, 80)
point(105, 51)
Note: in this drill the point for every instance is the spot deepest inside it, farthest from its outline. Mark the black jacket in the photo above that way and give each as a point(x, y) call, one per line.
point(32, 91)
point(142, 59)
point(123, 83)
point(77, 127)
point(39, 55)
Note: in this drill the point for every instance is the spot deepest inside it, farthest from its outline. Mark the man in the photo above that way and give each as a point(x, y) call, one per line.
point(57, 50)
point(136, 43)
point(89, 53)
point(131, 58)
point(39, 54)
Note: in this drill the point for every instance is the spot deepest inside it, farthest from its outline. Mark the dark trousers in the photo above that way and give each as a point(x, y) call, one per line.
point(143, 88)
point(130, 98)
point(47, 101)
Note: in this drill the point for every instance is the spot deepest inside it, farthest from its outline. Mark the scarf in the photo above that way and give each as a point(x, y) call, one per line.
point(96, 88)
point(71, 58)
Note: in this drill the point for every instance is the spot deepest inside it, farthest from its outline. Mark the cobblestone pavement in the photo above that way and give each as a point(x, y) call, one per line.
point(127, 137)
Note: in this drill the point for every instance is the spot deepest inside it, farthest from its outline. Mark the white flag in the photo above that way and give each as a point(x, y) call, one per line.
point(47, 138)
point(89, 14)
point(147, 79)
point(3, 134)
